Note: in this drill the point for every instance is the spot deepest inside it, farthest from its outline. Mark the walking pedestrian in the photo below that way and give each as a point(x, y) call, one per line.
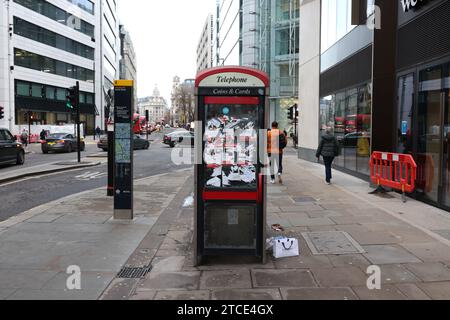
point(276, 143)
point(24, 137)
point(43, 135)
point(98, 132)
point(328, 149)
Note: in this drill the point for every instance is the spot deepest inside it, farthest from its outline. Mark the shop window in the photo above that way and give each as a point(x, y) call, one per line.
point(405, 100)
point(364, 129)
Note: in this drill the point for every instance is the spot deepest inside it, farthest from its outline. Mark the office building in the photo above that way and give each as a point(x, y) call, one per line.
point(205, 47)
point(45, 47)
point(128, 61)
point(378, 77)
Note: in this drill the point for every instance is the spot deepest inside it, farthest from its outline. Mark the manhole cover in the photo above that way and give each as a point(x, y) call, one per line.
point(134, 272)
point(332, 242)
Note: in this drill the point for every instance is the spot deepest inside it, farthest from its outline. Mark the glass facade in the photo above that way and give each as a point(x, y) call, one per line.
point(42, 91)
point(53, 12)
point(348, 114)
point(37, 62)
point(36, 96)
point(31, 31)
point(336, 21)
point(86, 5)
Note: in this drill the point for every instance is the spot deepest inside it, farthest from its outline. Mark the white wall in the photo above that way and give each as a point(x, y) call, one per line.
point(309, 75)
point(4, 66)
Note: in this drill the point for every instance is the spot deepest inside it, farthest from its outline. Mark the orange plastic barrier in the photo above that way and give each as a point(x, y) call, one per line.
point(392, 170)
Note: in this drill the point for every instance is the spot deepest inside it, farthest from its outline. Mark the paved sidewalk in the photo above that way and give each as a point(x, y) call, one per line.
point(409, 242)
point(38, 246)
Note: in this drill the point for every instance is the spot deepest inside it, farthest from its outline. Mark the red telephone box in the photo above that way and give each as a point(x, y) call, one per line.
point(230, 197)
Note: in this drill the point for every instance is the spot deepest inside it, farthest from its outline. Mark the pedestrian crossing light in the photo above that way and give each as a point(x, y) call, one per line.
point(2, 113)
point(71, 98)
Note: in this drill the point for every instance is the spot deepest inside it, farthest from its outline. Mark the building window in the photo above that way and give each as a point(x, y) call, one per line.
point(48, 92)
point(36, 90)
point(86, 5)
point(336, 21)
point(23, 89)
point(37, 62)
point(53, 12)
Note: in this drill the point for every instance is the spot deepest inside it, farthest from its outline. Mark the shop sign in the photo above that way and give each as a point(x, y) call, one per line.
point(232, 79)
point(413, 4)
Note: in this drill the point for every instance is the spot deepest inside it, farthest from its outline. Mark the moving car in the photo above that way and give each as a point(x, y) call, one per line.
point(179, 137)
point(61, 142)
point(139, 143)
point(11, 151)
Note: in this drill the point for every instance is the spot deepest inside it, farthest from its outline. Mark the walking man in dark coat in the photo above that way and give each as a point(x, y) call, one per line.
point(328, 149)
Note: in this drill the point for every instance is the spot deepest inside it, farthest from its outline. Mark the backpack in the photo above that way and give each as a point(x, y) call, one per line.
point(283, 141)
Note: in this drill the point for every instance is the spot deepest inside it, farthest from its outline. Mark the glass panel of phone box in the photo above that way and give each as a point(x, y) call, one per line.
point(231, 141)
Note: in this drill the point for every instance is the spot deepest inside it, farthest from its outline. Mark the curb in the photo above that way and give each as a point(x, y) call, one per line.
point(56, 170)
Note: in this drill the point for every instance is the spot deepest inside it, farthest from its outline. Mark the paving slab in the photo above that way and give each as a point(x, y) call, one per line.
point(183, 295)
point(374, 237)
point(24, 279)
point(282, 278)
point(119, 289)
point(412, 291)
point(143, 295)
point(357, 260)
point(436, 290)
point(429, 252)
point(246, 294)
point(175, 280)
point(304, 294)
point(395, 273)
point(430, 271)
point(237, 279)
point(5, 293)
point(33, 295)
point(339, 277)
point(167, 264)
point(386, 254)
point(387, 292)
point(303, 262)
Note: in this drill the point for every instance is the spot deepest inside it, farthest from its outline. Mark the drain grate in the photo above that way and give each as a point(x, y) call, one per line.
point(134, 272)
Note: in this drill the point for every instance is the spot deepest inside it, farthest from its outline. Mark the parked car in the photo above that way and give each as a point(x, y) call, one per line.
point(138, 143)
point(11, 151)
point(61, 142)
point(179, 137)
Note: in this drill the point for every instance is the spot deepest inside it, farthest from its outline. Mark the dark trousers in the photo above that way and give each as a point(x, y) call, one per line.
point(278, 160)
point(328, 163)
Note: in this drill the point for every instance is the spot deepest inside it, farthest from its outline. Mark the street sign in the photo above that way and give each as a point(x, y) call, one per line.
point(123, 150)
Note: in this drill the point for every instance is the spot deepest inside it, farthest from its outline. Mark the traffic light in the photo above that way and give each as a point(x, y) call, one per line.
point(71, 98)
point(291, 113)
point(26, 118)
point(2, 113)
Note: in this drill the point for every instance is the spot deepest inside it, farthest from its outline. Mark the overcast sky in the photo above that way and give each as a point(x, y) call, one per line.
point(165, 35)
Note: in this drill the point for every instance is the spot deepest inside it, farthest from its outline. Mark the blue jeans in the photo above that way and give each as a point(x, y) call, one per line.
point(328, 163)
